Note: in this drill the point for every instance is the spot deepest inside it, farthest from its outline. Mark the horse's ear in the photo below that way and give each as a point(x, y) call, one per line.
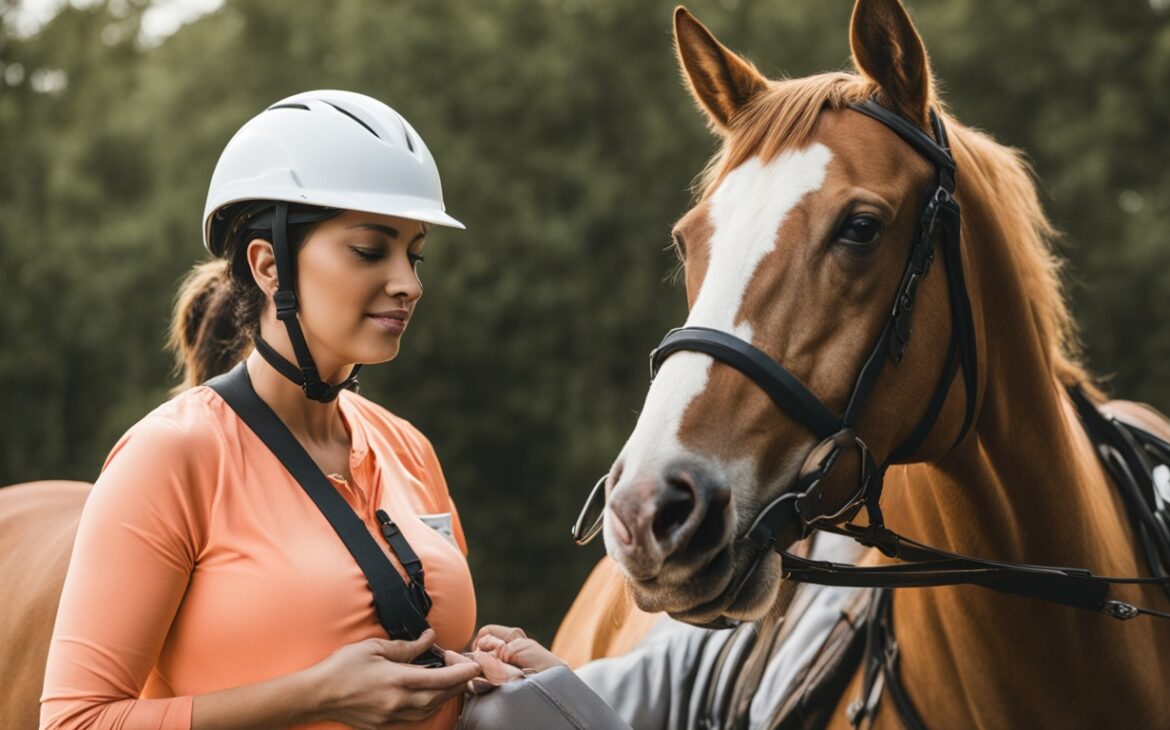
point(888, 50)
point(721, 81)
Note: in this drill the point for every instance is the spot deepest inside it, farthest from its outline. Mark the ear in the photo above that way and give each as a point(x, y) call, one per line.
point(888, 50)
point(721, 81)
point(262, 262)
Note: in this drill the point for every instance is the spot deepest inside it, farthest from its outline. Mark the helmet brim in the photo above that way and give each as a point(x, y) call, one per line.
point(398, 206)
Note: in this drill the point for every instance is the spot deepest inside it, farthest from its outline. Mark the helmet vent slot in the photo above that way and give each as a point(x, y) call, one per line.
point(288, 106)
point(409, 141)
point(353, 117)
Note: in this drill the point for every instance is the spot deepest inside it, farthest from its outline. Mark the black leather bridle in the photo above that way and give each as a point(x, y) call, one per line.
point(804, 508)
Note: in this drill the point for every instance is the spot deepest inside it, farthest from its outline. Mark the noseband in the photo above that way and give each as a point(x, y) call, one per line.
point(804, 507)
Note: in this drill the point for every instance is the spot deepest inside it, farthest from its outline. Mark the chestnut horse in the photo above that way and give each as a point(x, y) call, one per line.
point(797, 244)
point(38, 522)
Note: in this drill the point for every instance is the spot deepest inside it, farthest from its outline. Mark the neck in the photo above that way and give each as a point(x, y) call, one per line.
point(1024, 486)
point(311, 421)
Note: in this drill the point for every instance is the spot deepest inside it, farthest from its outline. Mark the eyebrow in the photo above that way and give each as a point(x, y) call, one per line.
point(387, 230)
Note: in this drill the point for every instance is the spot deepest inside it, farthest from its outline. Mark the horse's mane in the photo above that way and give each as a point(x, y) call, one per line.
point(1001, 206)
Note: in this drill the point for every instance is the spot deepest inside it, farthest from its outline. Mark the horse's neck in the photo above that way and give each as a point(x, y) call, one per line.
point(1024, 486)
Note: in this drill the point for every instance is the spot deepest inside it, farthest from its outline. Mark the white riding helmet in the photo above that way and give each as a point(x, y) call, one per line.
point(334, 149)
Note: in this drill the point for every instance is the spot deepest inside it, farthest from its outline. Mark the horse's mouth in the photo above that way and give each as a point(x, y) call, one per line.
point(722, 589)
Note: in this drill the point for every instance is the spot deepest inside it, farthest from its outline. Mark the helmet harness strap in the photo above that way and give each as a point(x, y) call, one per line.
point(304, 373)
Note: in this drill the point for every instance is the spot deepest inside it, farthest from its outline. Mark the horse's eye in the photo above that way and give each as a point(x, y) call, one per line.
point(860, 231)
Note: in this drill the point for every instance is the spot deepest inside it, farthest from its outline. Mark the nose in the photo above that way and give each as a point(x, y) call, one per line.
point(403, 282)
point(680, 514)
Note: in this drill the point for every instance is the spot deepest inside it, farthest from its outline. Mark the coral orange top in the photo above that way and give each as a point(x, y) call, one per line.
point(201, 564)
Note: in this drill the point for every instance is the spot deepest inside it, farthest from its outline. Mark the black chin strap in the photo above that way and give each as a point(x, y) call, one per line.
point(290, 371)
point(285, 299)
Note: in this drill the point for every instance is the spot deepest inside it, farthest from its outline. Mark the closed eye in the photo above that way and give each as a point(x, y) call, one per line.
point(368, 254)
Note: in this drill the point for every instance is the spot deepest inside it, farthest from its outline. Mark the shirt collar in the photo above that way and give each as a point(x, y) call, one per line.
point(359, 447)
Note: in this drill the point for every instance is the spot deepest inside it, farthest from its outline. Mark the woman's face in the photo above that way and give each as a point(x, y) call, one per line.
point(357, 286)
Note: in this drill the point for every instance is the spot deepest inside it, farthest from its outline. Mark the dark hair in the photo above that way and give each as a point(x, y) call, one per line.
point(218, 306)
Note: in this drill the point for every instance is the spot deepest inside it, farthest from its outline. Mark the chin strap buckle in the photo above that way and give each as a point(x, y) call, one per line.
point(317, 389)
point(286, 304)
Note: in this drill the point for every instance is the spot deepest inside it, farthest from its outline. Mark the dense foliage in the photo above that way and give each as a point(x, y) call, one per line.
point(567, 145)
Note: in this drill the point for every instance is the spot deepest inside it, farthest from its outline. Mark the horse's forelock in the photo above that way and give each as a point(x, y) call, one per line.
point(782, 117)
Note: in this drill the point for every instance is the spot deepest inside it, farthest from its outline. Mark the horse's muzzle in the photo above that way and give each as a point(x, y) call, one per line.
point(671, 522)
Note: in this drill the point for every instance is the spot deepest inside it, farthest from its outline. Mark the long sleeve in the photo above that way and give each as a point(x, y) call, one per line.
point(555, 699)
point(201, 565)
point(135, 551)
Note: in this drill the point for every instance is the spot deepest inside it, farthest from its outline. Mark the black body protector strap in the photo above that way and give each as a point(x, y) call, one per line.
point(401, 606)
point(304, 373)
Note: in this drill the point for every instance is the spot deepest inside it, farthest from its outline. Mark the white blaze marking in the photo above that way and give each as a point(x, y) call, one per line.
point(746, 212)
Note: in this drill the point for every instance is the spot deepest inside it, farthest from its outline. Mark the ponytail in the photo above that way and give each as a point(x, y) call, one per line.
point(205, 334)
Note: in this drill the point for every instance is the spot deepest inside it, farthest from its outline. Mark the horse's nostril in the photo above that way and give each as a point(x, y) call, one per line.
point(675, 505)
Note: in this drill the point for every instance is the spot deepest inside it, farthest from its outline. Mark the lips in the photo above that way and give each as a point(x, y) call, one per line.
point(393, 321)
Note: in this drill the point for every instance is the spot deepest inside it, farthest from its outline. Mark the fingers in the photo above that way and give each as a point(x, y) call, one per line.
point(529, 655)
point(450, 677)
point(423, 704)
point(454, 657)
point(490, 644)
point(404, 651)
point(495, 670)
point(504, 633)
point(513, 647)
point(434, 699)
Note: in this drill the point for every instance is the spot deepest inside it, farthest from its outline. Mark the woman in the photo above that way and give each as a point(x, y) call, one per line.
point(206, 590)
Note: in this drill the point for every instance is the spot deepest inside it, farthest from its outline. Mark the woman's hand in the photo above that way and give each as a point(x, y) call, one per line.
point(369, 684)
point(512, 646)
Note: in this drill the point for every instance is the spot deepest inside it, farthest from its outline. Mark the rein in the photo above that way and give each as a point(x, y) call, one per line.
point(1121, 447)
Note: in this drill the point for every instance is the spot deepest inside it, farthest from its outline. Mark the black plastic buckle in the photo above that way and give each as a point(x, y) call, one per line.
point(432, 658)
point(389, 529)
point(421, 597)
point(315, 390)
point(286, 304)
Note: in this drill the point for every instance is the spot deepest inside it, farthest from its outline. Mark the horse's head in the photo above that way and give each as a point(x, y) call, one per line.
point(797, 245)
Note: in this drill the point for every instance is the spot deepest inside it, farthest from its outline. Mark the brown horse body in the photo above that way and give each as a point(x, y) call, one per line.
point(780, 251)
point(38, 522)
point(974, 658)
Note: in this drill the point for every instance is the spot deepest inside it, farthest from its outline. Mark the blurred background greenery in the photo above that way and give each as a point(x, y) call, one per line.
point(567, 145)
